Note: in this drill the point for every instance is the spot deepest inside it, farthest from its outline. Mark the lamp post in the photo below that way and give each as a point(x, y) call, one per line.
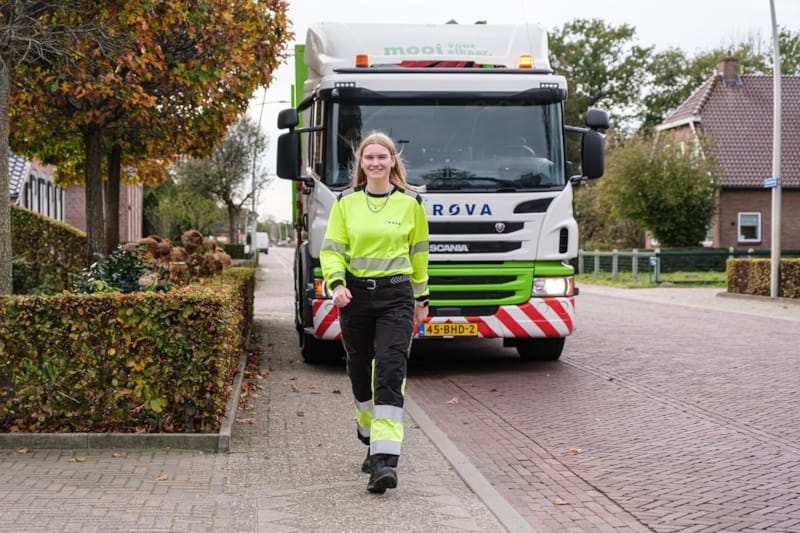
point(254, 228)
point(775, 254)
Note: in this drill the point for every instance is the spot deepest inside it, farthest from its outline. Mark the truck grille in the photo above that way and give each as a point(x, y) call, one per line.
point(479, 285)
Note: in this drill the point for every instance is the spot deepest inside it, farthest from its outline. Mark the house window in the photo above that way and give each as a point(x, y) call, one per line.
point(749, 227)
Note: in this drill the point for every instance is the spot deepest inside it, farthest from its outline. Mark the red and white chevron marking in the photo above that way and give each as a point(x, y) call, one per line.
point(326, 320)
point(539, 317)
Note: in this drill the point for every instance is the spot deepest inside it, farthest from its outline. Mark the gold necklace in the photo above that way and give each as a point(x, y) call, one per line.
point(377, 209)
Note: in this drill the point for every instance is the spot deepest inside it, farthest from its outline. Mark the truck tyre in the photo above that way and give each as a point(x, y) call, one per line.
point(320, 352)
point(544, 349)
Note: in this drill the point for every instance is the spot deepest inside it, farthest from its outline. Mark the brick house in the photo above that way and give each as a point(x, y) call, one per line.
point(131, 211)
point(31, 186)
point(736, 112)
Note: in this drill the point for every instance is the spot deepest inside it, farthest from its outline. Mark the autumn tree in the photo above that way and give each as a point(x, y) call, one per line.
point(233, 172)
point(31, 32)
point(185, 72)
point(668, 188)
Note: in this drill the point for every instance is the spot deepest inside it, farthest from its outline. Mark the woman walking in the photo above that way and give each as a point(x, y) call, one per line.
point(375, 262)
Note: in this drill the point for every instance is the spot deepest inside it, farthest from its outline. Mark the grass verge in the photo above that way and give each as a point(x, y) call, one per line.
point(646, 281)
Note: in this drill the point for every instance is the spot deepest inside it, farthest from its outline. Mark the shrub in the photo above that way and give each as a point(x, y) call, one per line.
point(52, 252)
point(122, 270)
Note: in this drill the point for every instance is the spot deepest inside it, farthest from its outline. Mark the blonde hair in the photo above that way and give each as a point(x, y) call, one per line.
point(397, 175)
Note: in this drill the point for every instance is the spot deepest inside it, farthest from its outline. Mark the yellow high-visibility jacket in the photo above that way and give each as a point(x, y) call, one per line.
point(373, 242)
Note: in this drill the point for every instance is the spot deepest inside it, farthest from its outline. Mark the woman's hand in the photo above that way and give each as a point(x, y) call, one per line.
point(420, 314)
point(341, 296)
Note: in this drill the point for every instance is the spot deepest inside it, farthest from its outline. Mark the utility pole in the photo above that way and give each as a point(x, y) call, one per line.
point(254, 228)
point(775, 254)
point(254, 213)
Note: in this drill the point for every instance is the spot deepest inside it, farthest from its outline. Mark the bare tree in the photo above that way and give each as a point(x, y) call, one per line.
point(233, 173)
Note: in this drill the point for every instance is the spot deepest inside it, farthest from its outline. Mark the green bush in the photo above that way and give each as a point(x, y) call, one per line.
point(123, 270)
point(236, 251)
point(53, 252)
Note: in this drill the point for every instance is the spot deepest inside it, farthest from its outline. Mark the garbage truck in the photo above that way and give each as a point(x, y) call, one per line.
point(477, 116)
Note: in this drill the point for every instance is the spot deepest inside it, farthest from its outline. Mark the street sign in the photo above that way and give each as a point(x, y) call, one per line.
point(770, 182)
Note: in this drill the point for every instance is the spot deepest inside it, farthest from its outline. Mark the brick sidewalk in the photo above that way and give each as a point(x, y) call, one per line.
point(296, 467)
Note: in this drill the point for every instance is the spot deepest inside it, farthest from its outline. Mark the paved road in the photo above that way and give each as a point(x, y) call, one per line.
point(670, 410)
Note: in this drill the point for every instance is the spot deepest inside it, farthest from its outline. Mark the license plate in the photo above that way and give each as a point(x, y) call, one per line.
point(450, 330)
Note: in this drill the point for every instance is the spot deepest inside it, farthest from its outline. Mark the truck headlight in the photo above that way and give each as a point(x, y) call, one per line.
point(558, 286)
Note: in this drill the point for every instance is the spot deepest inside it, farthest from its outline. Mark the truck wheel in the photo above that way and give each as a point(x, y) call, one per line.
point(315, 351)
point(545, 349)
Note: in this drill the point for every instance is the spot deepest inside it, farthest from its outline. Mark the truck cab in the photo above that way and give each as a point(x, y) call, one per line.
point(476, 115)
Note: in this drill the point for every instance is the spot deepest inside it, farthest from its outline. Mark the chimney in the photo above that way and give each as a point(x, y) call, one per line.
point(727, 71)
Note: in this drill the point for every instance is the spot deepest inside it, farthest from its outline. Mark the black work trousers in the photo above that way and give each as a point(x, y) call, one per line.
point(378, 324)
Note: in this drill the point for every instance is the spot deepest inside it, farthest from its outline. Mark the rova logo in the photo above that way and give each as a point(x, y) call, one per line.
point(461, 209)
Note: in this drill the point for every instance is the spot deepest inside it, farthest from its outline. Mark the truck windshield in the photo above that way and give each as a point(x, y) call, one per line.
point(477, 147)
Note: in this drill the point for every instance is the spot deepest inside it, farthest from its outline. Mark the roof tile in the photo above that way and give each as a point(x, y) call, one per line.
point(739, 120)
point(18, 168)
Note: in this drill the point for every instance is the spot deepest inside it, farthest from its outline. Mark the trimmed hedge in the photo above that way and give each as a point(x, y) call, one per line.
point(53, 251)
point(753, 276)
point(139, 362)
point(236, 251)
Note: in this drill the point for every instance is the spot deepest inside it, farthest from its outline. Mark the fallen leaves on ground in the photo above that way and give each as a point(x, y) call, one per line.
point(162, 477)
point(23, 451)
point(575, 450)
point(295, 388)
point(116, 455)
point(336, 391)
point(78, 459)
point(559, 501)
point(245, 420)
point(452, 401)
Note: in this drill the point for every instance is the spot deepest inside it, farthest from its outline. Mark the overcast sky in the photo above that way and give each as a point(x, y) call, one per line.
point(691, 25)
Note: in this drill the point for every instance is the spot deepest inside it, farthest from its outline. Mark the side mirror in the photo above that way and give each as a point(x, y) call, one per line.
point(592, 159)
point(288, 118)
point(597, 119)
point(288, 164)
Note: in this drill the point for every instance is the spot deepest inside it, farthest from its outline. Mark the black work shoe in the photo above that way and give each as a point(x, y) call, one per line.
point(366, 466)
point(382, 478)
